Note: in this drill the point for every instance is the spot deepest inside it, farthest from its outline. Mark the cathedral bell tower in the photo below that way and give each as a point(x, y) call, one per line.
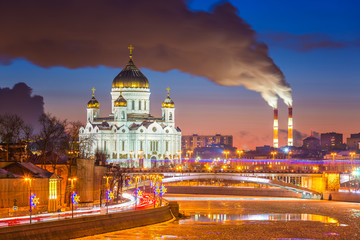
point(93, 110)
point(120, 109)
point(168, 110)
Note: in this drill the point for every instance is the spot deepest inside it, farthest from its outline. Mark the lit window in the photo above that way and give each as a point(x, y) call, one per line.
point(53, 189)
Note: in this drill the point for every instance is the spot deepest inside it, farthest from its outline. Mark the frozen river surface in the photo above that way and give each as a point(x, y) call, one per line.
point(226, 217)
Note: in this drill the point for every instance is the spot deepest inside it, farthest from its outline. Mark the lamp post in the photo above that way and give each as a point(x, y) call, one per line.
point(72, 195)
point(240, 152)
point(189, 152)
point(352, 158)
point(179, 156)
point(289, 155)
point(273, 153)
point(107, 192)
point(137, 178)
point(333, 154)
point(30, 203)
point(226, 154)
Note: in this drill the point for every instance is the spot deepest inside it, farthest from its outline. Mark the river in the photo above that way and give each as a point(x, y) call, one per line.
point(230, 217)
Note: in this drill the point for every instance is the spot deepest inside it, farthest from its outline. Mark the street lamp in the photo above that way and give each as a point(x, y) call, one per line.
point(179, 168)
point(179, 156)
point(137, 178)
point(72, 195)
point(333, 154)
point(107, 192)
point(189, 152)
point(352, 158)
point(226, 154)
point(27, 179)
point(289, 155)
point(273, 153)
point(240, 152)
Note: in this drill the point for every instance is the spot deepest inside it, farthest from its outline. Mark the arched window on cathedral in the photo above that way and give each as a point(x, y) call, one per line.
point(139, 104)
point(170, 116)
point(144, 105)
point(133, 105)
point(122, 115)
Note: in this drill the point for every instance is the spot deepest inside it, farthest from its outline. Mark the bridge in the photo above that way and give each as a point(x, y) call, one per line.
point(306, 193)
point(309, 184)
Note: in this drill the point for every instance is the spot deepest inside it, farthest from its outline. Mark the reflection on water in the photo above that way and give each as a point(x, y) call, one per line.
point(258, 217)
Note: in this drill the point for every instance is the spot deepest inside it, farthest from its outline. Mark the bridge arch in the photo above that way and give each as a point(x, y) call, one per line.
point(306, 193)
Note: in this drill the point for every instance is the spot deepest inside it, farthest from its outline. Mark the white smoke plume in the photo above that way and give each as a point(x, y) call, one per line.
point(166, 34)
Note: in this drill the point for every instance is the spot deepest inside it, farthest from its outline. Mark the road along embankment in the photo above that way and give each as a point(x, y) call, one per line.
point(87, 226)
point(236, 191)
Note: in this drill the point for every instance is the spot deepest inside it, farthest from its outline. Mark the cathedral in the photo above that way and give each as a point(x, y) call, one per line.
point(130, 136)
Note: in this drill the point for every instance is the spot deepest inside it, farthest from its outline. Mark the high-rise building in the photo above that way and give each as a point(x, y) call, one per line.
point(353, 142)
point(190, 142)
point(332, 140)
point(311, 143)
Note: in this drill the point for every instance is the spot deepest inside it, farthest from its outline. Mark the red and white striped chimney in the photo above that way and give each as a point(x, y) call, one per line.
point(276, 129)
point(290, 128)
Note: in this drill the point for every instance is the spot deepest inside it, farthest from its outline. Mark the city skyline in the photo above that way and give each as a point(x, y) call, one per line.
point(320, 66)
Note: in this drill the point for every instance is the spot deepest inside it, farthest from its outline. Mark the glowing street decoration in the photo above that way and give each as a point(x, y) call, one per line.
point(34, 200)
point(110, 195)
point(160, 190)
point(139, 192)
point(75, 198)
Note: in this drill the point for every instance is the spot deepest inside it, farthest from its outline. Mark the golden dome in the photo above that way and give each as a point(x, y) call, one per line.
point(168, 102)
point(130, 77)
point(93, 103)
point(120, 101)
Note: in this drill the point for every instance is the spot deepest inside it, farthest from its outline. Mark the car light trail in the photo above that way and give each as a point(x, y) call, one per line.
point(144, 202)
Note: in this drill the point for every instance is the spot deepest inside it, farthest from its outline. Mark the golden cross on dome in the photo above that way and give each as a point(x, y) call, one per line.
point(168, 90)
point(131, 48)
point(93, 89)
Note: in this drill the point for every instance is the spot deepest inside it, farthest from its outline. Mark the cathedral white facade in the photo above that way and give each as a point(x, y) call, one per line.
point(130, 136)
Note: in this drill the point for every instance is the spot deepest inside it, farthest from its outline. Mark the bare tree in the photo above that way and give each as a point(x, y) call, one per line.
point(27, 135)
point(53, 139)
point(86, 145)
point(10, 130)
point(100, 157)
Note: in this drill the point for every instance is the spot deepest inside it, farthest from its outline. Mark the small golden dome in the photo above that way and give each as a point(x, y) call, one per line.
point(120, 101)
point(168, 102)
point(93, 103)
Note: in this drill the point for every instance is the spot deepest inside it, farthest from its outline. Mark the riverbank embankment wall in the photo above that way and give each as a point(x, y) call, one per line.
point(87, 226)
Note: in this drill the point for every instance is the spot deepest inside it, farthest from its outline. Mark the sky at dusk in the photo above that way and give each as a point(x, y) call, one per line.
point(316, 44)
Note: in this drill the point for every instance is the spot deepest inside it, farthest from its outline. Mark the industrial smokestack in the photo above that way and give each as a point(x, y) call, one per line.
point(276, 128)
point(290, 128)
